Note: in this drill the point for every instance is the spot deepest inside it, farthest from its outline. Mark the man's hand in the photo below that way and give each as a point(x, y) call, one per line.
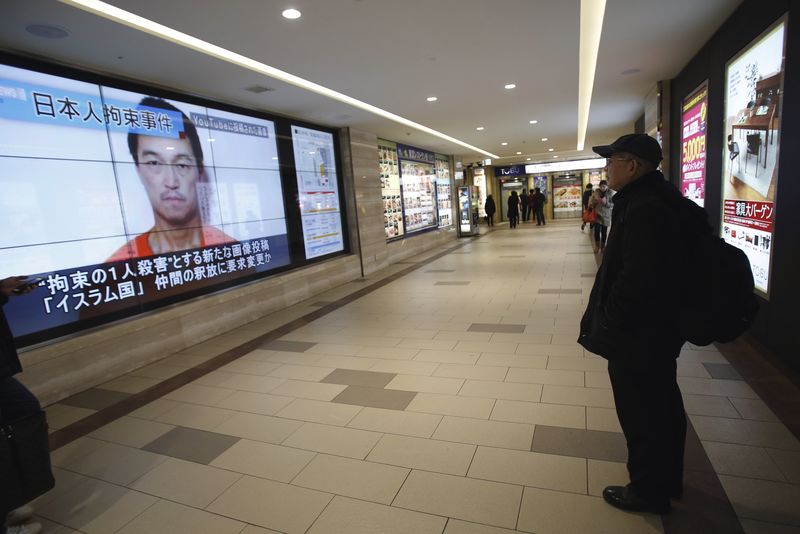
point(15, 285)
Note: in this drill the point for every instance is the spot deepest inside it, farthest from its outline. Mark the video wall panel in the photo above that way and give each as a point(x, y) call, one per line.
point(753, 115)
point(121, 201)
point(694, 118)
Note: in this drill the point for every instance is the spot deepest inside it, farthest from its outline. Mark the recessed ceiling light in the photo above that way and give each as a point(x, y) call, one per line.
point(544, 138)
point(519, 153)
point(211, 139)
point(510, 85)
point(291, 14)
point(170, 148)
point(527, 159)
point(480, 128)
point(47, 31)
point(550, 149)
point(555, 156)
point(274, 157)
point(504, 143)
point(432, 98)
point(534, 121)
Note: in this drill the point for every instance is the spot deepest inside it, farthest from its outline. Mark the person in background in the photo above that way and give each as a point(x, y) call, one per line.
point(600, 202)
point(587, 194)
point(489, 208)
point(16, 401)
point(530, 205)
point(631, 320)
point(513, 209)
point(537, 205)
point(523, 206)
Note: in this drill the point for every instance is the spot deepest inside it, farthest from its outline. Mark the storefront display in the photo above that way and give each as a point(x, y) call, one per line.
point(390, 189)
point(566, 196)
point(444, 201)
point(753, 114)
point(418, 183)
point(694, 113)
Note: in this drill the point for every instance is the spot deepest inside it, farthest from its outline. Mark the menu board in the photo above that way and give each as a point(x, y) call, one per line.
point(418, 180)
point(444, 200)
point(122, 201)
point(318, 191)
point(566, 196)
point(595, 177)
point(753, 108)
point(694, 114)
point(390, 189)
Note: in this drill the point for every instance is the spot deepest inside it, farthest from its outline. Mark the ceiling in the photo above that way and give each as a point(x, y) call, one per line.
point(393, 54)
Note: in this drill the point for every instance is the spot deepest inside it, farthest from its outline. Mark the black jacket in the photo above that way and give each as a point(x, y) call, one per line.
point(489, 207)
point(513, 206)
point(538, 200)
point(633, 308)
point(9, 361)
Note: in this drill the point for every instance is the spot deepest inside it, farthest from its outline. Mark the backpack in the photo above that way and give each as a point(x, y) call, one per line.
point(721, 305)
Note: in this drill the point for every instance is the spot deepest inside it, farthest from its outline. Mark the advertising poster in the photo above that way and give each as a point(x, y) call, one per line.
point(119, 200)
point(464, 211)
point(318, 190)
point(753, 106)
point(566, 196)
point(694, 113)
point(479, 181)
point(594, 178)
point(541, 183)
point(390, 189)
point(418, 181)
point(444, 191)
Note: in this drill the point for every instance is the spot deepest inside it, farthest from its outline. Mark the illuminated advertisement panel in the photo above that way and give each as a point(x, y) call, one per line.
point(122, 201)
point(753, 114)
point(444, 192)
point(694, 114)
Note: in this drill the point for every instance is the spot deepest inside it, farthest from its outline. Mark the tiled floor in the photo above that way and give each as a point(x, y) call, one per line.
point(450, 397)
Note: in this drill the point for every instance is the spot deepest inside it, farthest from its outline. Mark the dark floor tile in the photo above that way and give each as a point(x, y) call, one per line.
point(451, 284)
point(588, 275)
point(722, 370)
point(594, 444)
point(193, 445)
point(321, 303)
point(560, 291)
point(704, 507)
point(360, 280)
point(497, 328)
point(695, 457)
point(288, 346)
point(411, 262)
point(349, 377)
point(587, 252)
point(389, 399)
point(441, 271)
point(95, 399)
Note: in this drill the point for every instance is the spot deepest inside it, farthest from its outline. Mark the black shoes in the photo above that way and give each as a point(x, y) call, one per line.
point(624, 498)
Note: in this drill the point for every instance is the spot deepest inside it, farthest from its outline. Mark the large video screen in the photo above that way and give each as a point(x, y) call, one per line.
point(694, 116)
point(121, 201)
point(318, 191)
point(753, 114)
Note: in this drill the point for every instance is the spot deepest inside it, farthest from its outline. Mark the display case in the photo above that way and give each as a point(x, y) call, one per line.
point(417, 180)
point(390, 189)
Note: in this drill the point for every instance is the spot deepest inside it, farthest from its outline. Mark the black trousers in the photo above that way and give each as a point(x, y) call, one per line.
point(539, 216)
point(650, 411)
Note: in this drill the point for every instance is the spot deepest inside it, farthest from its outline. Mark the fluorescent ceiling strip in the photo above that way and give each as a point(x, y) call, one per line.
point(592, 12)
point(159, 30)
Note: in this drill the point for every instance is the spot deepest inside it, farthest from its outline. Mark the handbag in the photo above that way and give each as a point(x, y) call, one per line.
point(589, 215)
point(25, 469)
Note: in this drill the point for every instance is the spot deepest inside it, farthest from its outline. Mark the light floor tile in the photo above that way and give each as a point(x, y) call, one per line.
point(72, 452)
point(788, 462)
point(474, 372)
point(130, 384)
point(545, 376)
point(196, 416)
point(279, 356)
point(350, 516)
point(709, 405)
point(601, 398)
point(347, 442)
point(540, 413)
point(603, 473)
point(692, 369)
point(396, 422)
point(565, 513)
point(751, 526)
point(451, 405)
point(309, 390)
point(263, 460)
point(302, 372)
point(455, 526)
point(754, 409)
point(66, 481)
point(186, 482)
point(258, 427)
point(463, 335)
point(744, 432)
point(418, 368)
point(598, 379)
point(249, 367)
point(61, 415)
point(96, 507)
point(213, 379)
point(255, 383)
point(166, 517)
point(488, 433)
point(131, 431)
point(542, 349)
point(763, 500)
point(426, 384)
point(472, 500)
point(367, 481)
point(446, 356)
point(513, 360)
point(713, 386)
point(578, 364)
point(428, 344)
point(204, 395)
point(387, 353)
point(487, 346)
point(272, 505)
point(501, 390)
point(527, 468)
point(114, 463)
point(604, 419)
point(742, 461)
point(426, 454)
point(319, 412)
point(260, 403)
point(346, 362)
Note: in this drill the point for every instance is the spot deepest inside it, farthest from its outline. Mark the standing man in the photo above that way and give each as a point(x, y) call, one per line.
point(631, 320)
point(537, 205)
point(523, 206)
point(489, 208)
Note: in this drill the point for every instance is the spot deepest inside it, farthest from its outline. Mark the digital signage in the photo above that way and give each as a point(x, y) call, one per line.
point(318, 191)
point(694, 116)
point(753, 114)
point(123, 201)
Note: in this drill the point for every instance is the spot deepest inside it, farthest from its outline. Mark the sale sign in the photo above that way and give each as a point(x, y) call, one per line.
point(693, 144)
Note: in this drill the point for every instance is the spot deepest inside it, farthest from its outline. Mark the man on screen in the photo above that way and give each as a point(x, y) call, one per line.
point(170, 169)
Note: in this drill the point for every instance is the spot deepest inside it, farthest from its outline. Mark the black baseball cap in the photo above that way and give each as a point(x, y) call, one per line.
point(640, 145)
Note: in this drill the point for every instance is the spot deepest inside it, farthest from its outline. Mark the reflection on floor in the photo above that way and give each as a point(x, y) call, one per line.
point(452, 399)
